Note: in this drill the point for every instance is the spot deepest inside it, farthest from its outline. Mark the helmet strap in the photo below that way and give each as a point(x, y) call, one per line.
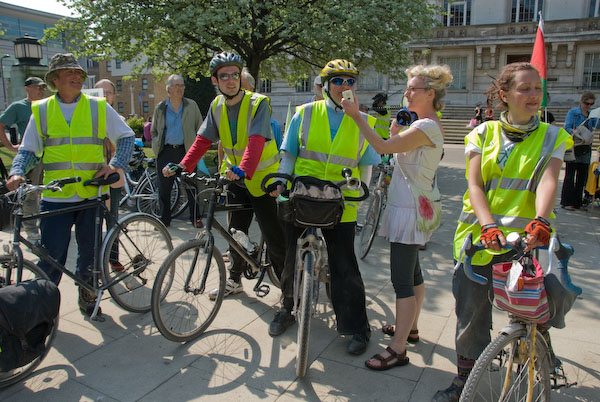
point(329, 99)
point(230, 97)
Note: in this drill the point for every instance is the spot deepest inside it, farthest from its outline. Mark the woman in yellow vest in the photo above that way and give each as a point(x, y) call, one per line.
point(408, 225)
point(320, 141)
point(512, 170)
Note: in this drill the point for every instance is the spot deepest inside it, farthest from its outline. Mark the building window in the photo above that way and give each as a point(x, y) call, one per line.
point(119, 85)
point(108, 67)
point(265, 86)
point(591, 71)
point(370, 81)
point(144, 83)
point(145, 107)
point(458, 66)
point(120, 107)
point(304, 85)
point(526, 10)
point(594, 12)
point(118, 64)
point(457, 13)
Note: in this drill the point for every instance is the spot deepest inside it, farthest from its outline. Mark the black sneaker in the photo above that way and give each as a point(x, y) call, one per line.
point(358, 343)
point(450, 394)
point(87, 302)
point(283, 319)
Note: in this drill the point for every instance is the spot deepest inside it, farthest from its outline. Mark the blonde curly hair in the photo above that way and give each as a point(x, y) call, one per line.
point(436, 77)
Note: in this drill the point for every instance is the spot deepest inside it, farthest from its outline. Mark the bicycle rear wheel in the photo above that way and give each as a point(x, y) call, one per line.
point(181, 309)
point(137, 250)
point(370, 225)
point(147, 199)
point(502, 371)
point(181, 202)
point(8, 275)
point(304, 315)
point(266, 262)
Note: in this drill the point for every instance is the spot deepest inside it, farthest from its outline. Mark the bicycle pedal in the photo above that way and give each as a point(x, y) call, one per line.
point(559, 379)
point(262, 290)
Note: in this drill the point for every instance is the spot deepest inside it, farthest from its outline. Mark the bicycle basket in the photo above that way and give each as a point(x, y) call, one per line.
point(315, 202)
point(529, 300)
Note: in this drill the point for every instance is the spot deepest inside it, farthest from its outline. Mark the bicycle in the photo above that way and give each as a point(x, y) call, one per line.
point(181, 307)
point(311, 269)
point(511, 368)
point(139, 238)
point(368, 230)
point(141, 187)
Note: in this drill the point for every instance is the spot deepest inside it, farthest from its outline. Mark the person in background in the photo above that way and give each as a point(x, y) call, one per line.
point(70, 114)
point(417, 151)
point(317, 89)
point(478, 115)
point(174, 125)
point(489, 114)
point(147, 127)
point(382, 128)
point(576, 172)
point(512, 171)
point(19, 113)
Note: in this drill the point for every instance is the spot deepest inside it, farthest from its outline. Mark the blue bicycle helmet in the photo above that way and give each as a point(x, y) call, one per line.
point(225, 59)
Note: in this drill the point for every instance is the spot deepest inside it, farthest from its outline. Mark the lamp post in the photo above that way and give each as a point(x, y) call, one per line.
point(4, 56)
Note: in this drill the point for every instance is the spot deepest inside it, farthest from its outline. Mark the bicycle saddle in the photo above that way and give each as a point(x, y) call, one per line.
point(101, 181)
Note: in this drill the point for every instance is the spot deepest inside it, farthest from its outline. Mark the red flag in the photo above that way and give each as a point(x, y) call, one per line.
point(538, 58)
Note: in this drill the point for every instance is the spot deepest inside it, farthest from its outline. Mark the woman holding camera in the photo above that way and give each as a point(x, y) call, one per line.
point(418, 150)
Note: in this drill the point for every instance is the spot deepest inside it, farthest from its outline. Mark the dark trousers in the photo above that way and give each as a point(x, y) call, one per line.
point(266, 216)
point(165, 185)
point(56, 236)
point(347, 287)
point(576, 174)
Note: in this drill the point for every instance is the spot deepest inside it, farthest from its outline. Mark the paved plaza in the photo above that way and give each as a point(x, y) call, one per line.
point(125, 358)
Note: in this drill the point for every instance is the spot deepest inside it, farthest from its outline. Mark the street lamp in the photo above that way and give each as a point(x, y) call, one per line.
point(28, 50)
point(4, 56)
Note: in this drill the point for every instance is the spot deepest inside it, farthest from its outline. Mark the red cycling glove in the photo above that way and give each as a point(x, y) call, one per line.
point(540, 229)
point(490, 233)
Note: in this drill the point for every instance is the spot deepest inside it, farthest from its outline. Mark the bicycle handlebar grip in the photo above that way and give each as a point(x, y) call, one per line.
point(270, 176)
point(101, 181)
point(65, 181)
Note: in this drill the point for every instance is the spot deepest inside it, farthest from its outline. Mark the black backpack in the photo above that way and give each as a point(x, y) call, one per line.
point(27, 315)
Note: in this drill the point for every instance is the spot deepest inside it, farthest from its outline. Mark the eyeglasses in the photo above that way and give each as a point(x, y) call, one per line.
point(178, 86)
point(589, 103)
point(340, 81)
point(226, 76)
point(412, 89)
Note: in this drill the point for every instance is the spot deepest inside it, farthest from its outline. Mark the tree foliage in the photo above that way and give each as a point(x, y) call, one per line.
point(291, 37)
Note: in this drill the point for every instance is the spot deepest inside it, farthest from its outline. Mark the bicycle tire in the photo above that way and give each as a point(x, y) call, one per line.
point(181, 315)
point(147, 196)
point(370, 225)
point(486, 380)
point(266, 262)
point(142, 246)
point(182, 200)
point(13, 376)
point(305, 313)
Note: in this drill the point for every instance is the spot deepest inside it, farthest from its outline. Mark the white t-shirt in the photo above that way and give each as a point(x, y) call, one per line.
point(399, 222)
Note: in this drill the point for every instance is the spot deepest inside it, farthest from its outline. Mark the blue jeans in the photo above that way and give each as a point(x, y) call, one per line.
point(56, 236)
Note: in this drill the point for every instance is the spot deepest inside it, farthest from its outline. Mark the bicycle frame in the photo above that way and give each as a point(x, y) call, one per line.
point(309, 242)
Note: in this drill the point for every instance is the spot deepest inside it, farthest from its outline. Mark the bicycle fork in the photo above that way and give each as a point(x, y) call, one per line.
point(307, 244)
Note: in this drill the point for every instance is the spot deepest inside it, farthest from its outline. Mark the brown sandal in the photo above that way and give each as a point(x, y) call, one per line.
point(390, 329)
point(401, 360)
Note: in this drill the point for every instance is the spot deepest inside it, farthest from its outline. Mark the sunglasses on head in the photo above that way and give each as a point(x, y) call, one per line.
point(340, 81)
point(226, 76)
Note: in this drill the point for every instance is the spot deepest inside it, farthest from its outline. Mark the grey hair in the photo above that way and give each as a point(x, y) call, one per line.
point(106, 81)
point(249, 78)
point(172, 78)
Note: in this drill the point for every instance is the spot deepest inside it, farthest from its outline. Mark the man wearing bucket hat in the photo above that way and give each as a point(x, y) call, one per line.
point(84, 121)
point(19, 113)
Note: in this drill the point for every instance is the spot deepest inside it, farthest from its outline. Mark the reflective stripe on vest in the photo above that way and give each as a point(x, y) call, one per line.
point(510, 192)
point(71, 149)
point(345, 151)
point(269, 160)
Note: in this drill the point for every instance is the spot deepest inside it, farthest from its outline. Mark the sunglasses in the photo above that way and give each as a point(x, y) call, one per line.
point(589, 103)
point(340, 81)
point(226, 76)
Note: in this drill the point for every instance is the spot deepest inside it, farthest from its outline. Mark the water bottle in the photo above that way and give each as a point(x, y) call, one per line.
point(242, 239)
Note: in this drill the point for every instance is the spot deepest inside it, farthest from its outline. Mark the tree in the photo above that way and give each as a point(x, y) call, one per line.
point(291, 37)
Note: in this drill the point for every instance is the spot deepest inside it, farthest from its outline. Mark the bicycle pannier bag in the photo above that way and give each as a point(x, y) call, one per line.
point(528, 300)
point(27, 314)
point(316, 203)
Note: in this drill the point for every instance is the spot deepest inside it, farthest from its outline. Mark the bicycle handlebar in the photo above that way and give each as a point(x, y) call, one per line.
point(562, 251)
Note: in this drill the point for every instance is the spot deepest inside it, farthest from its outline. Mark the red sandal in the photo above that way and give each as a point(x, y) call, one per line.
point(390, 329)
point(401, 360)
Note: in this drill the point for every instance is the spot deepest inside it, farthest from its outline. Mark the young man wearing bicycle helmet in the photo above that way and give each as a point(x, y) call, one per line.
point(250, 154)
point(321, 141)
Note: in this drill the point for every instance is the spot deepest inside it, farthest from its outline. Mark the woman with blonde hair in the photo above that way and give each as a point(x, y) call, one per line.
point(417, 151)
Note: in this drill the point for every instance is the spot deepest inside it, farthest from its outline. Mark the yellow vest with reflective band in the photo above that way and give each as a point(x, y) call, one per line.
point(382, 126)
point(269, 160)
point(319, 157)
point(74, 149)
point(510, 192)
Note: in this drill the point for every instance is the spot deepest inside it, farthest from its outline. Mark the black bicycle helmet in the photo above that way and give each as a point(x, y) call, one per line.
point(225, 59)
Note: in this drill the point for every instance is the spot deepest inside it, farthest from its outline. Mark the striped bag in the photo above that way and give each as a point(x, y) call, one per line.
point(529, 301)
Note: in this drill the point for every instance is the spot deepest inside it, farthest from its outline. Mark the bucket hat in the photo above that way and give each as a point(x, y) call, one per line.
point(61, 61)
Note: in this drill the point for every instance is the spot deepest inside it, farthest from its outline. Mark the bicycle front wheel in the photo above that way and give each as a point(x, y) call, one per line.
point(502, 371)
point(181, 306)
point(181, 202)
point(8, 276)
point(136, 250)
point(370, 225)
point(304, 314)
